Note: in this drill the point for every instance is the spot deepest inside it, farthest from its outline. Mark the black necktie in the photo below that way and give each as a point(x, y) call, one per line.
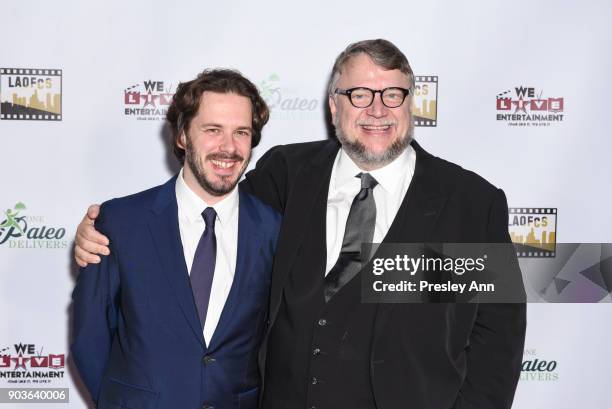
point(203, 267)
point(359, 229)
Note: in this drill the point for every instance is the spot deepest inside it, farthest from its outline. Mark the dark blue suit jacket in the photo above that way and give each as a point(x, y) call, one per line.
point(137, 339)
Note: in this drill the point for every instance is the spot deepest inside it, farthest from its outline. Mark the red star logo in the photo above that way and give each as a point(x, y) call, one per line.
point(520, 105)
point(20, 361)
point(149, 99)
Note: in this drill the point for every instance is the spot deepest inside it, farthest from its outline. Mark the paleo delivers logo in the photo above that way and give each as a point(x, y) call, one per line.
point(287, 102)
point(27, 365)
point(30, 94)
point(20, 231)
point(522, 106)
point(534, 369)
point(148, 100)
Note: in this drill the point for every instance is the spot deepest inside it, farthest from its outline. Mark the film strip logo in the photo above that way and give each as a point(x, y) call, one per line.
point(533, 230)
point(425, 100)
point(31, 94)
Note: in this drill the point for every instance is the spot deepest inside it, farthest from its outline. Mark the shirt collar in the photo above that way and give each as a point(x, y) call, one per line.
point(389, 177)
point(192, 205)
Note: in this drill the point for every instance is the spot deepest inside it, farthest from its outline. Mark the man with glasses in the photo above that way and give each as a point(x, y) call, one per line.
point(327, 349)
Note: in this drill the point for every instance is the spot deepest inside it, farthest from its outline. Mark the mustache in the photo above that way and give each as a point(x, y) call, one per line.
point(224, 156)
point(387, 122)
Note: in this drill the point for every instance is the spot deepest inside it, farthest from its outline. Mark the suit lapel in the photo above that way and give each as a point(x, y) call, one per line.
point(421, 206)
point(308, 185)
point(415, 218)
point(164, 228)
point(249, 246)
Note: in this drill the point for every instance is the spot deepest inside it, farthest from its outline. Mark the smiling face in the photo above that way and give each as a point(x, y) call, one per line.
point(217, 144)
point(376, 135)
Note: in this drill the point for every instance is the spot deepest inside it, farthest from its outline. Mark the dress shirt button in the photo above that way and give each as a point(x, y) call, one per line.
point(322, 322)
point(316, 351)
point(314, 381)
point(208, 360)
point(312, 407)
point(208, 407)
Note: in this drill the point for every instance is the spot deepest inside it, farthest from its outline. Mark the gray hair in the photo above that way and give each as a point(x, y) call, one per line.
point(384, 54)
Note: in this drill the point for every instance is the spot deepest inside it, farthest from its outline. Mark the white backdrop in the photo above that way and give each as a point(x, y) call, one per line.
point(52, 169)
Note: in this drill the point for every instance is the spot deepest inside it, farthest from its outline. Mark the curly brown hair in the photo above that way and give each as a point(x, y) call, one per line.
point(186, 102)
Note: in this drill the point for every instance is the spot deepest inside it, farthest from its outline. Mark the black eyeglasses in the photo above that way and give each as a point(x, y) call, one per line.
point(362, 97)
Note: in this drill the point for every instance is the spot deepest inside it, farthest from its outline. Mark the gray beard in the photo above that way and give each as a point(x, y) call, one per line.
point(366, 159)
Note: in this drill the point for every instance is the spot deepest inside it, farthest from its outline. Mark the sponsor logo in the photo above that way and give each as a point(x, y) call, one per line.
point(536, 369)
point(148, 100)
point(527, 106)
point(30, 94)
point(533, 230)
point(286, 102)
point(425, 100)
point(24, 363)
point(20, 231)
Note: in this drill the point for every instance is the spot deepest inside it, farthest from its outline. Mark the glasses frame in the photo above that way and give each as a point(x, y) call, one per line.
point(349, 91)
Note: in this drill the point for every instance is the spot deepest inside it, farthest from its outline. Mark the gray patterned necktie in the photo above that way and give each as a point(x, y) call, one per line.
point(359, 229)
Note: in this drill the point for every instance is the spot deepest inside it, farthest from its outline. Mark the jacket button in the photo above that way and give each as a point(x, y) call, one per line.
point(208, 407)
point(314, 381)
point(207, 361)
point(316, 351)
point(322, 322)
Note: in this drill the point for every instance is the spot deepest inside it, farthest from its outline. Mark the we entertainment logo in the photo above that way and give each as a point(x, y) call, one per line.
point(24, 363)
point(148, 100)
point(528, 106)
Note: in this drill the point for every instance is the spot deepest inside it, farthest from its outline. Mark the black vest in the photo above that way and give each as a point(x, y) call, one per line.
point(319, 354)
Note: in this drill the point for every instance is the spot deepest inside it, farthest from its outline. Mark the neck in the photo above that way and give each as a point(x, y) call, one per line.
point(195, 186)
point(367, 166)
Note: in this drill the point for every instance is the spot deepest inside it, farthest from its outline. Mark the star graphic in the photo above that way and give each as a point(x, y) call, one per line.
point(149, 99)
point(20, 361)
point(520, 105)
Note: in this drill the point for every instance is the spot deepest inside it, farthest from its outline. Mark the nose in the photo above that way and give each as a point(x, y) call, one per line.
point(227, 143)
point(377, 109)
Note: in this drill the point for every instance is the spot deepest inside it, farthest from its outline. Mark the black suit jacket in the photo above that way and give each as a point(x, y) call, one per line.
point(423, 355)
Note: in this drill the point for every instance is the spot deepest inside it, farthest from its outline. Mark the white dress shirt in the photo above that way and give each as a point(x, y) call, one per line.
point(393, 181)
point(191, 226)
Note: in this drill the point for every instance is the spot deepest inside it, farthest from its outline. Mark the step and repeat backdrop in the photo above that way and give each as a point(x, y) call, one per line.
point(517, 91)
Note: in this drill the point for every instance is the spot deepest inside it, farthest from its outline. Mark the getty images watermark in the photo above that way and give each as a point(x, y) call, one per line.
point(484, 272)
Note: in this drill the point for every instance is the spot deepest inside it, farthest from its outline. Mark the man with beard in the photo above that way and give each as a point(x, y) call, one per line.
point(173, 318)
point(326, 349)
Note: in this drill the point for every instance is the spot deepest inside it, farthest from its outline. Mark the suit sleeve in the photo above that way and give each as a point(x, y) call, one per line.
point(496, 344)
point(95, 307)
point(268, 181)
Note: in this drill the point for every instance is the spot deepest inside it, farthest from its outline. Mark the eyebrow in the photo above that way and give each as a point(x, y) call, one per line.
point(211, 124)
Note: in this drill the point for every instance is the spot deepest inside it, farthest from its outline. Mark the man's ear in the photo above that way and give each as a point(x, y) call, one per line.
point(332, 107)
point(181, 142)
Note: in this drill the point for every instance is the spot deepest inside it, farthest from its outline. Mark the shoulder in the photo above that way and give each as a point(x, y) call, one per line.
point(299, 151)
point(455, 178)
point(268, 218)
point(131, 209)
